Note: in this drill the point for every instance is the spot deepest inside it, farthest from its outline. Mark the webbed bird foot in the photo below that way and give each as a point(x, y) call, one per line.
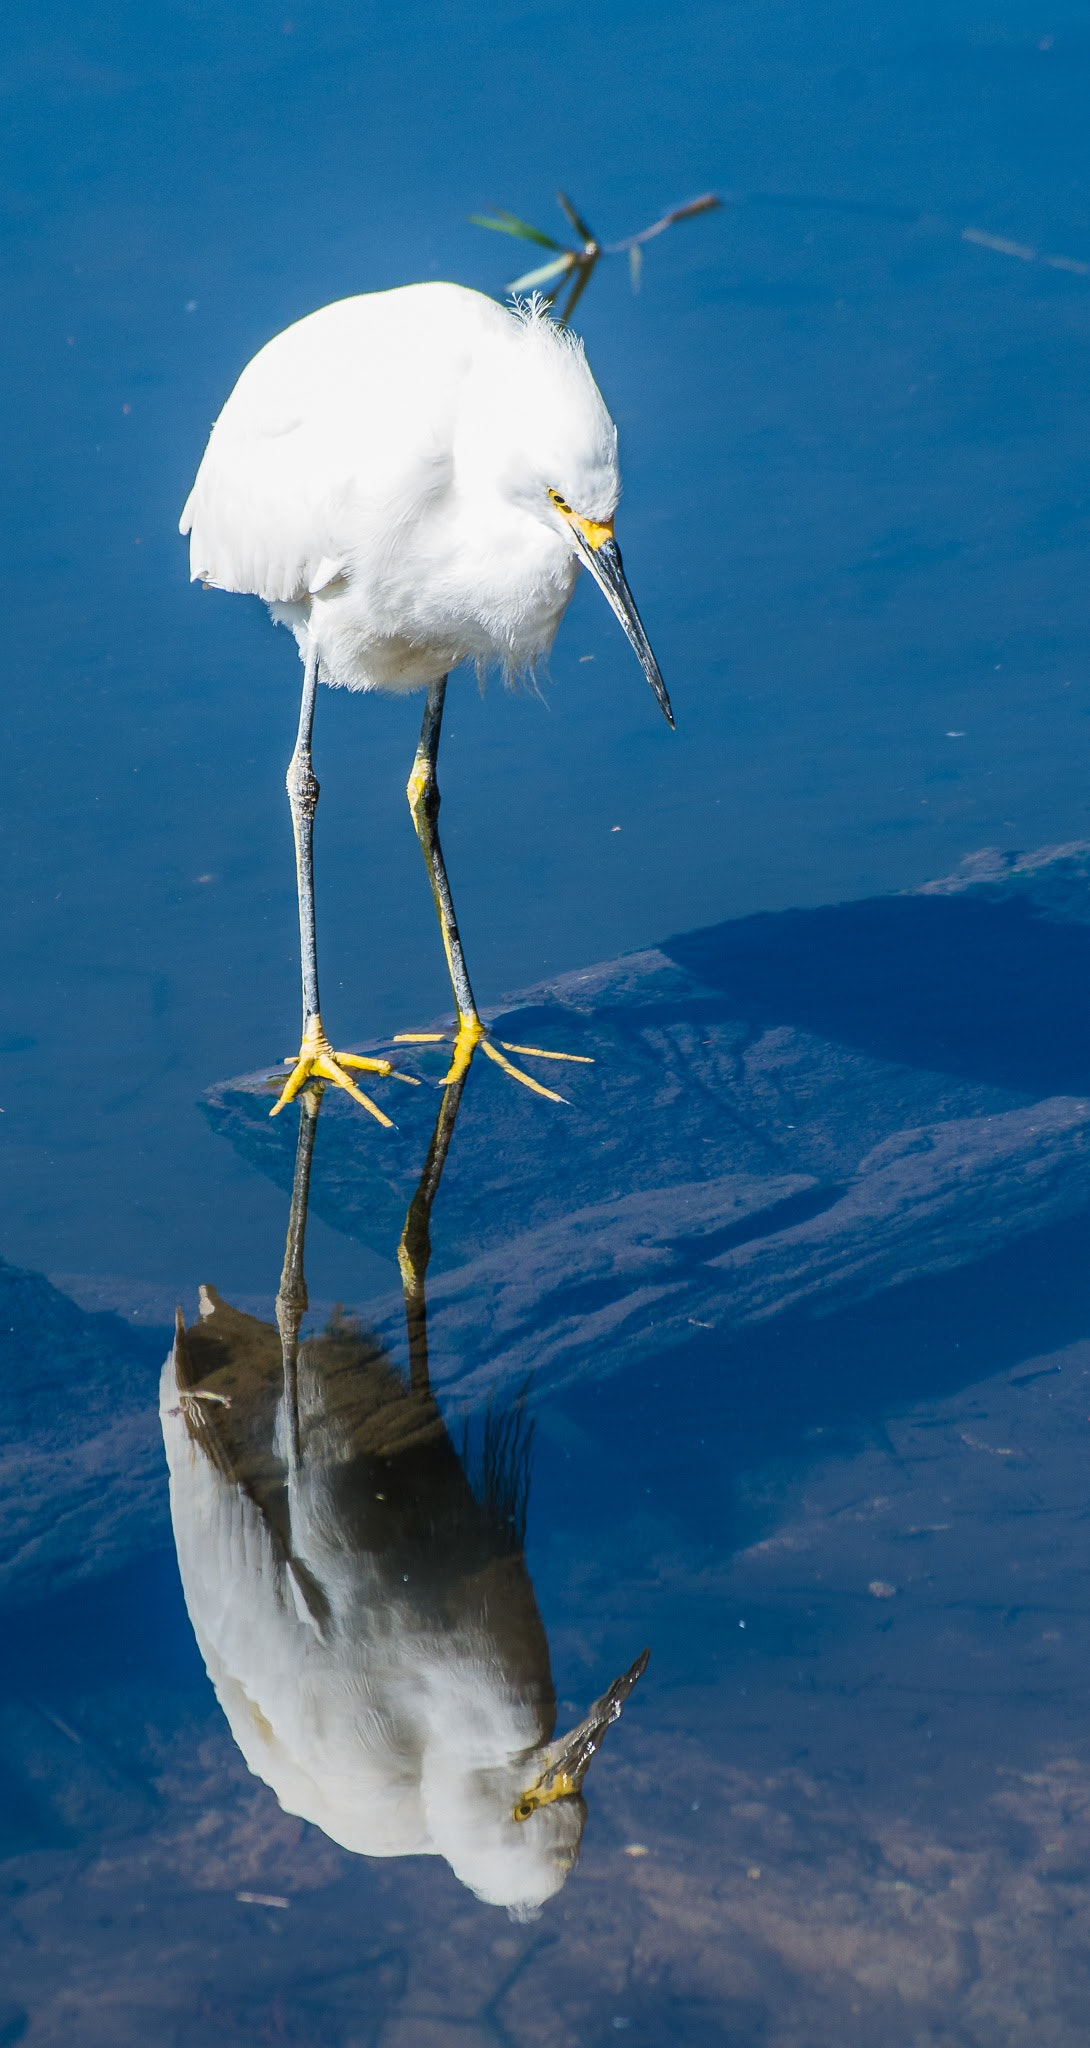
point(470, 1034)
point(317, 1061)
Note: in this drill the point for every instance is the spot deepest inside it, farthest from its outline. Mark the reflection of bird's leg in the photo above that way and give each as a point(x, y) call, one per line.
point(414, 1249)
point(423, 795)
point(291, 1301)
point(316, 1055)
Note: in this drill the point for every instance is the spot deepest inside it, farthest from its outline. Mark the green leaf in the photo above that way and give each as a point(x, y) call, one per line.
point(542, 276)
point(504, 223)
point(578, 224)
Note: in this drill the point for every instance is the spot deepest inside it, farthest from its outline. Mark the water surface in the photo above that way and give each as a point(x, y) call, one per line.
point(786, 1315)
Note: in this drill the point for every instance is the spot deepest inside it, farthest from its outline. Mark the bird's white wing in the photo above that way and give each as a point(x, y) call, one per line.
point(337, 433)
point(305, 1716)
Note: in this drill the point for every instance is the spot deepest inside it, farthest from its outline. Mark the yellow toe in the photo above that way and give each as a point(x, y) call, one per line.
point(318, 1060)
point(327, 1065)
point(517, 1074)
point(292, 1085)
point(539, 1052)
point(471, 1034)
point(357, 1059)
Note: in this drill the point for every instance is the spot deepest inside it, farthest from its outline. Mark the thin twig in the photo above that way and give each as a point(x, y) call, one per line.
point(708, 202)
point(570, 270)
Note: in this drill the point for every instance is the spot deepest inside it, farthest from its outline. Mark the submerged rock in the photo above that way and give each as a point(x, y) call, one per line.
point(789, 1043)
point(787, 1113)
point(788, 1116)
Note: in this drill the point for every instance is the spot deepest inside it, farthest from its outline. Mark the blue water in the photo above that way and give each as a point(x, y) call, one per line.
point(793, 1294)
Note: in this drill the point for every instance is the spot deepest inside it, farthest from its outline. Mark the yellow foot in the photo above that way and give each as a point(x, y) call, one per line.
point(318, 1061)
point(470, 1034)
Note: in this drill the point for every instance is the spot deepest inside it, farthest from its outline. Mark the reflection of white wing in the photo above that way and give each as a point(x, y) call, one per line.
point(329, 1753)
point(395, 1729)
point(312, 466)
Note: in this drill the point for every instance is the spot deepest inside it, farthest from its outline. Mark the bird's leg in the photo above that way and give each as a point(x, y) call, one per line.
point(414, 1247)
point(422, 791)
point(316, 1055)
point(423, 794)
point(291, 1300)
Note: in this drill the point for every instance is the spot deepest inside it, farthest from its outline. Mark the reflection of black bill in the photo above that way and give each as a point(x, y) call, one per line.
point(567, 1767)
point(607, 569)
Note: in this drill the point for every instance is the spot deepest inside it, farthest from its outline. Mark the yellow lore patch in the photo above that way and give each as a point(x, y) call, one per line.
point(562, 1787)
point(594, 531)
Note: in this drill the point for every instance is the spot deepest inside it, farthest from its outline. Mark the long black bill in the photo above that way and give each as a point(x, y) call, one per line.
point(568, 1761)
point(607, 569)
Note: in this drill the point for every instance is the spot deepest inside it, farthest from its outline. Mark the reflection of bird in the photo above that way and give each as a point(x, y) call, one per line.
point(360, 1600)
point(410, 480)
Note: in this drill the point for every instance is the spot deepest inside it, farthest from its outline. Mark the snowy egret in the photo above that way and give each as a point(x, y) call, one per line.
point(360, 1597)
point(410, 479)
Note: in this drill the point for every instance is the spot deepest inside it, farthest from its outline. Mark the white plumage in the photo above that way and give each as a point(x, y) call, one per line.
point(365, 1617)
point(410, 480)
point(381, 475)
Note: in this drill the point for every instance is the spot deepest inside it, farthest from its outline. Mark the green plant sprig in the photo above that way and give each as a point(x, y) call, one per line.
point(572, 269)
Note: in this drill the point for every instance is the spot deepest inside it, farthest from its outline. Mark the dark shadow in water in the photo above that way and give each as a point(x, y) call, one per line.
point(991, 991)
point(807, 1387)
point(52, 1646)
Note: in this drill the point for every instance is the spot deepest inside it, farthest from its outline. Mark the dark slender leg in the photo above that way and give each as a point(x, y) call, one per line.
point(291, 1301)
point(303, 798)
point(316, 1055)
point(424, 801)
point(423, 795)
point(414, 1249)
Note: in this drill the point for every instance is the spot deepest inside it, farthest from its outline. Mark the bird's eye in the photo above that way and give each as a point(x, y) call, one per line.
point(558, 501)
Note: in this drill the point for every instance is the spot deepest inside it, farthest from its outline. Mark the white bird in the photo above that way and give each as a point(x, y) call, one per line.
point(362, 1605)
point(365, 1614)
point(410, 479)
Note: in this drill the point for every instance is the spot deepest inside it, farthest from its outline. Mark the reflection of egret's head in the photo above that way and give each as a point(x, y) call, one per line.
point(520, 1868)
point(520, 1853)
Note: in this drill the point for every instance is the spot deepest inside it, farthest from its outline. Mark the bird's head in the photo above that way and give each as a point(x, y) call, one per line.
point(596, 546)
point(552, 448)
point(512, 1833)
